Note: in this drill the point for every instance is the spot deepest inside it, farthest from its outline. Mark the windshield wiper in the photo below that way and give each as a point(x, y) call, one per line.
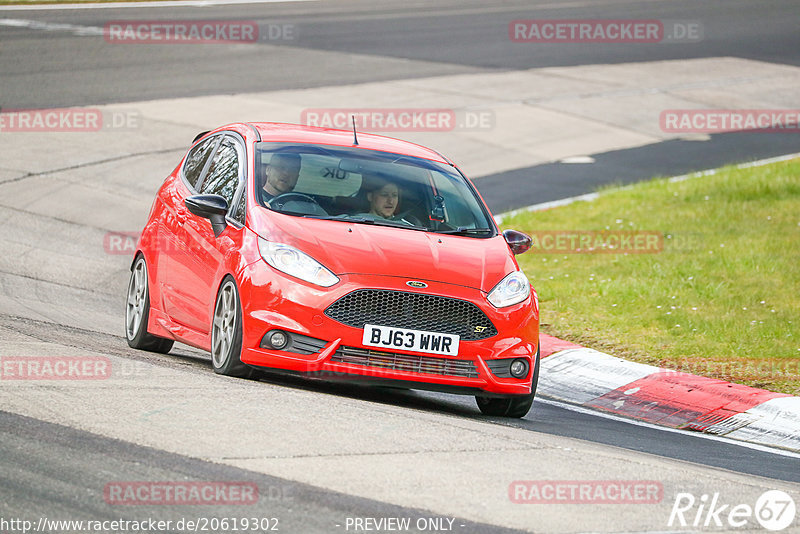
point(406, 225)
point(369, 220)
point(463, 230)
point(397, 224)
point(345, 218)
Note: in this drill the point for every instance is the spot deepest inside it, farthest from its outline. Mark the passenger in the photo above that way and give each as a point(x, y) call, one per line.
point(383, 198)
point(281, 175)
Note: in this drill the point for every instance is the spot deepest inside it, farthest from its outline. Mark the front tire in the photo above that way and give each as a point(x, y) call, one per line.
point(226, 333)
point(137, 312)
point(517, 406)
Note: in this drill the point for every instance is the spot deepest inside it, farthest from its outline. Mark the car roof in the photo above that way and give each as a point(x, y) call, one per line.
point(276, 132)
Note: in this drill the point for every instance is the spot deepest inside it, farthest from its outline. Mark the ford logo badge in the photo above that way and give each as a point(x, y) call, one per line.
point(414, 283)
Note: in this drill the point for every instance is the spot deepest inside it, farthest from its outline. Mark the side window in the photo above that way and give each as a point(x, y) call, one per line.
point(196, 160)
point(223, 174)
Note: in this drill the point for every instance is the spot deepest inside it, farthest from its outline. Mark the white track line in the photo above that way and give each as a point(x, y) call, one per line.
point(52, 27)
point(118, 5)
point(635, 422)
point(759, 163)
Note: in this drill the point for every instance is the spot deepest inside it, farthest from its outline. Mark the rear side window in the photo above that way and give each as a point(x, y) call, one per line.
point(223, 174)
point(196, 160)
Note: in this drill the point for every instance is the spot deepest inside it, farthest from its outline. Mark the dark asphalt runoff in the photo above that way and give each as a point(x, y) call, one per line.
point(519, 188)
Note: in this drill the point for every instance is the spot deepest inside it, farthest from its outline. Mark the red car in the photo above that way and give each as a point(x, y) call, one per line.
point(340, 255)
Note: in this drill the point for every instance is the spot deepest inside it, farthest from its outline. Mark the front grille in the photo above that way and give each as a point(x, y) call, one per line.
point(415, 311)
point(406, 362)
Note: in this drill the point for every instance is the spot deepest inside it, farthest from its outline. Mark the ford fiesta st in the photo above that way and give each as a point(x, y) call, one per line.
point(336, 254)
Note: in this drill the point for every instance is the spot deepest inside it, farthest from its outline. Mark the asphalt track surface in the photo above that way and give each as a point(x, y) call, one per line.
point(56, 470)
point(352, 42)
point(407, 39)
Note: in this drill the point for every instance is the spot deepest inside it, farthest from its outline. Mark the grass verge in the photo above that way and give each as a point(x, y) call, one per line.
point(713, 287)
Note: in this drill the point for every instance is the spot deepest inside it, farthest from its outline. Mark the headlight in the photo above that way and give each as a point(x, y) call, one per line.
point(512, 289)
point(296, 263)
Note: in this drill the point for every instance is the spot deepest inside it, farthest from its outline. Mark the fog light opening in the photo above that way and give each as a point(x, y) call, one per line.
point(278, 339)
point(519, 368)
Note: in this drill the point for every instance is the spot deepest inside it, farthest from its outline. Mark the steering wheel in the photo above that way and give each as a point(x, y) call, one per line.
point(407, 217)
point(285, 197)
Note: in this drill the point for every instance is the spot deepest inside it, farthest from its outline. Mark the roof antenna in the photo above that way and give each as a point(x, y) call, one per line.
point(355, 137)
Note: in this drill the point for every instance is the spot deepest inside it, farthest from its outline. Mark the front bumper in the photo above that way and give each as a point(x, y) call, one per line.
point(273, 301)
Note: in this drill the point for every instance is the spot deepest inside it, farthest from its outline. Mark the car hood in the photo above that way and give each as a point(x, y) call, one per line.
point(354, 248)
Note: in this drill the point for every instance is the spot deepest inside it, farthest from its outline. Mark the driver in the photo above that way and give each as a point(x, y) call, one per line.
point(383, 199)
point(281, 174)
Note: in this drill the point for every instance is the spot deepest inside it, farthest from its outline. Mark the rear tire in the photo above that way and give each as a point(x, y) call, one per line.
point(517, 406)
point(226, 333)
point(137, 312)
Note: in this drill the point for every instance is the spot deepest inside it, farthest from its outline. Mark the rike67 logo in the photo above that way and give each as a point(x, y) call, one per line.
point(774, 510)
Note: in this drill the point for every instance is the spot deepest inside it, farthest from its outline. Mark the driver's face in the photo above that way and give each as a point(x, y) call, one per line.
point(281, 175)
point(384, 201)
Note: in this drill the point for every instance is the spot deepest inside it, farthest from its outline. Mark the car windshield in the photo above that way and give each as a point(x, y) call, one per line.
point(369, 187)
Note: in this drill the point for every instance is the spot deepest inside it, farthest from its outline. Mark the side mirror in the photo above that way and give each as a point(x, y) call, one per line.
point(517, 241)
point(211, 207)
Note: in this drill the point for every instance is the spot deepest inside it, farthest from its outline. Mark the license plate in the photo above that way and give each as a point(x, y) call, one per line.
point(387, 337)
